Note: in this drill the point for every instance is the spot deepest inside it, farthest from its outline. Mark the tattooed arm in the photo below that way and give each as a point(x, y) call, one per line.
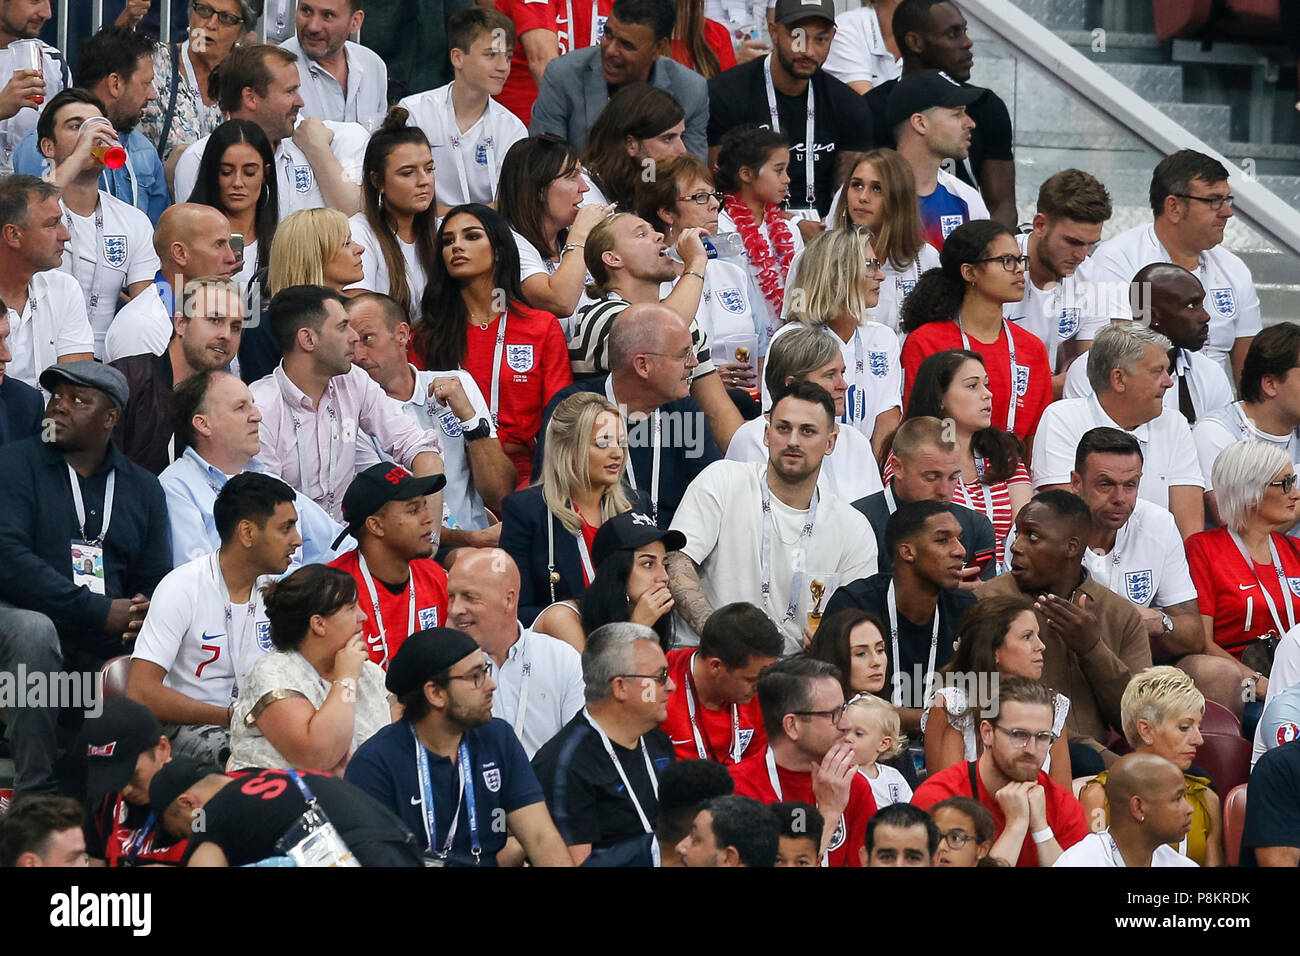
point(688, 593)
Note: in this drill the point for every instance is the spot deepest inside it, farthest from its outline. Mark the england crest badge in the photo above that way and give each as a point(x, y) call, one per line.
point(1138, 586)
point(1225, 302)
point(264, 636)
point(302, 179)
point(743, 737)
point(905, 287)
point(1294, 585)
point(519, 357)
point(731, 300)
point(948, 223)
point(1068, 324)
point(1022, 380)
point(481, 152)
point(427, 617)
point(879, 363)
point(492, 778)
point(115, 251)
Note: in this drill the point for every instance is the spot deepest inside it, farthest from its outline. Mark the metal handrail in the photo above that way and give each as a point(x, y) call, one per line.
point(1270, 215)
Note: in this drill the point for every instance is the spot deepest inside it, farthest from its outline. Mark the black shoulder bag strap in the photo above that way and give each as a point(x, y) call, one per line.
point(974, 781)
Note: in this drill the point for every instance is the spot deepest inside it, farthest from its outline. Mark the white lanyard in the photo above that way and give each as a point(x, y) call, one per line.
point(800, 555)
point(587, 567)
point(80, 505)
point(595, 16)
point(809, 147)
point(695, 730)
point(494, 402)
point(1117, 553)
point(775, 780)
point(454, 136)
point(655, 445)
point(1011, 351)
point(190, 78)
point(627, 786)
point(92, 292)
point(1281, 583)
point(896, 696)
point(525, 673)
point(235, 644)
point(890, 503)
point(970, 499)
point(379, 615)
point(327, 484)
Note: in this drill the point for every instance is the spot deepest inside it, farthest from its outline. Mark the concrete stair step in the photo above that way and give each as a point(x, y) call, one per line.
point(1156, 82)
point(1056, 14)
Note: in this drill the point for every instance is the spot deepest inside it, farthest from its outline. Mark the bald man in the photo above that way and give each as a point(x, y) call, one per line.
point(1149, 817)
point(1172, 302)
point(539, 677)
point(651, 361)
point(192, 241)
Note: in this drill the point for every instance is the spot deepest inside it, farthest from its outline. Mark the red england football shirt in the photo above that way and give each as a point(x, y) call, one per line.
point(1034, 373)
point(520, 90)
point(1228, 590)
point(715, 726)
point(849, 832)
point(430, 582)
point(1064, 813)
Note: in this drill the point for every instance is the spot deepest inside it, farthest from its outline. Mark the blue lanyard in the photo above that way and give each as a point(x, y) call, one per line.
point(302, 786)
point(466, 794)
point(137, 844)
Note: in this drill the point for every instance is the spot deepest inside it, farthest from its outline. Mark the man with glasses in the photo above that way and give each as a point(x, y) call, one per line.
point(601, 772)
point(453, 773)
point(1191, 206)
point(807, 757)
point(651, 359)
point(1034, 817)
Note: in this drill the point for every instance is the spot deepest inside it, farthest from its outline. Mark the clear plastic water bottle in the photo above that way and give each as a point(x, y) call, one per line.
point(724, 245)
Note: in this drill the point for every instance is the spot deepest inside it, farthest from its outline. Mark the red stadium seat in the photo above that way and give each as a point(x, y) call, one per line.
point(1219, 720)
point(113, 674)
point(1226, 759)
point(1234, 820)
point(1181, 18)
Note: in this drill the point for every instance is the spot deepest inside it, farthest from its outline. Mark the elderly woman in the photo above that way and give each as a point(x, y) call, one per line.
point(1247, 573)
point(1161, 713)
point(183, 111)
point(317, 697)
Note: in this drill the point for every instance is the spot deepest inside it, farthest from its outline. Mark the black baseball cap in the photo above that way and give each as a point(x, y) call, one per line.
point(921, 90)
point(112, 743)
point(424, 654)
point(174, 778)
point(378, 485)
point(629, 531)
point(792, 11)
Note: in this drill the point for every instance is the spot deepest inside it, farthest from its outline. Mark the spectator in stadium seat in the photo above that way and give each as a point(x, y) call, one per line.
point(1191, 206)
point(900, 835)
point(1271, 836)
point(43, 831)
point(633, 48)
point(931, 35)
point(865, 52)
point(537, 43)
point(412, 42)
point(730, 831)
point(21, 406)
point(1128, 367)
point(959, 306)
point(1035, 817)
point(1162, 711)
point(965, 832)
point(640, 126)
point(339, 80)
point(799, 833)
point(702, 43)
point(853, 640)
point(25, 23)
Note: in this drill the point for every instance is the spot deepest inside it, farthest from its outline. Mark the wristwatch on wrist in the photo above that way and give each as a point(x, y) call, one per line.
point(481, 430)
point(1167, 621)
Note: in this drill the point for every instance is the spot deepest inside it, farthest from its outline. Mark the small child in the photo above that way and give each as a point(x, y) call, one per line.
point(874, 733)
point(800, 829)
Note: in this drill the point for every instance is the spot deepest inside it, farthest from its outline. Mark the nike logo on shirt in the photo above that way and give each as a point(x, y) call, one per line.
point(1245, 587)
point(415, 801)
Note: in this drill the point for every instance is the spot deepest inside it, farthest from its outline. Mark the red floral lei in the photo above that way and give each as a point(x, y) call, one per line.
point(772, 269)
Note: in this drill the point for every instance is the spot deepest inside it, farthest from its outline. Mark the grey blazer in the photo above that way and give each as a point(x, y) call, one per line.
point(573, 92)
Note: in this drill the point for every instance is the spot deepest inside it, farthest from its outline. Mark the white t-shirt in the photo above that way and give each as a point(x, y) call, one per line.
point(898, 285)
point(375, 271)
point(872, 369)
point(106, 260)
point(858, 51)
point(1057, 314)
point(1169, 456)
point(53, 323)
point(1147, 563)
point(1095, 850)
point(721, 515)
point(462, 507)
point(849, 472)
point(141, 327)
point(765, 311)
point(186, 632)
point(1284, 674)
point(726, 312)
point(468, 164)
point(1214, 432)
point(551, 672)
point(531, 263)
point(1230, 295)
point(17, 126)
point(1206, 381)
point(888, 786)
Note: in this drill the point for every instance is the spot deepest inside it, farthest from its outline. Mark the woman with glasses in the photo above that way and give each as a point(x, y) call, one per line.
point(317, 697)
point(1161, 713)
point(550, 528)
point(998, 638)
point(184, 110)
point(959, 306)
point(640, 127)
point(966, 832)
point(473, 317)
point(1247, 572)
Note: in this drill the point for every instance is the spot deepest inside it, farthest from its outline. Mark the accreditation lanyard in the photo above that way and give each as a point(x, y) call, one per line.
point(327, 485)
point(896, 696)
point(775, 780)
point(1281, 583)
point(525, 674)
point(800, 554)
point(494, 402)
point(627, 786)
point(92, 291)
point(455, 141)
point(890, 503)
point(80, 505)
point(588, 569)
point(809, 188)
point(1011, 351)
point(656, 449)
point(465, 797)
point(700, 747)
point(1116, 557)
point(595, 19)
point(379, 614)
point(235, 645)
point(141, 837)
point(979, 480)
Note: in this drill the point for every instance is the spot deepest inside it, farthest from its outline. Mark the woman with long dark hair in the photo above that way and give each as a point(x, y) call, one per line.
point(473, 317)
point(640, 122)
point(237, 177)
point(701, 44)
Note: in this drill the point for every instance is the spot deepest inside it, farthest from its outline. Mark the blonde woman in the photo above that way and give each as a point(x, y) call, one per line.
point(1161, 713)
point(549, 528)
point(833, 284)
point(314, 247)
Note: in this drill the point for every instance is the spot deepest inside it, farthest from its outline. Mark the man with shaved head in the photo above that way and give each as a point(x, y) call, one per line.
point(1172, 301)
point(192, 241)
point(539, 677)
point(1149, 811)
point(651, 361)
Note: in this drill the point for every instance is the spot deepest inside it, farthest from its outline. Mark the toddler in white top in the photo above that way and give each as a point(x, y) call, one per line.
point(874, 732)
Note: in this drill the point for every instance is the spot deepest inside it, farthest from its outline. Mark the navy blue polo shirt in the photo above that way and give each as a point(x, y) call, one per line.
point(384, 767)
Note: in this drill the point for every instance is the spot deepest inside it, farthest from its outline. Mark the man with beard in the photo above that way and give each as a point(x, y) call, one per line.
point(21, 90)
point(448, 741)
point(1035, 817)
point(340, 80)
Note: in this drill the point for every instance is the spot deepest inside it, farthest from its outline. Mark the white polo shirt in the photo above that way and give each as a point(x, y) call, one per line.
point(187, 634)
point(374, 270)
point(539, 688)
point(1169, 456)
point(323, 96)
point(531, 264)
point(468, 163)
point(1230, 295)
point(1095, 850)
point(1206, 380)
point(858, 51)
point(53, 323)
point(1057, 314)
point(898, 285)
point(849, 472)
point(141, 327)
point(726, 313)
point(110, 249)
point(1147, 563)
